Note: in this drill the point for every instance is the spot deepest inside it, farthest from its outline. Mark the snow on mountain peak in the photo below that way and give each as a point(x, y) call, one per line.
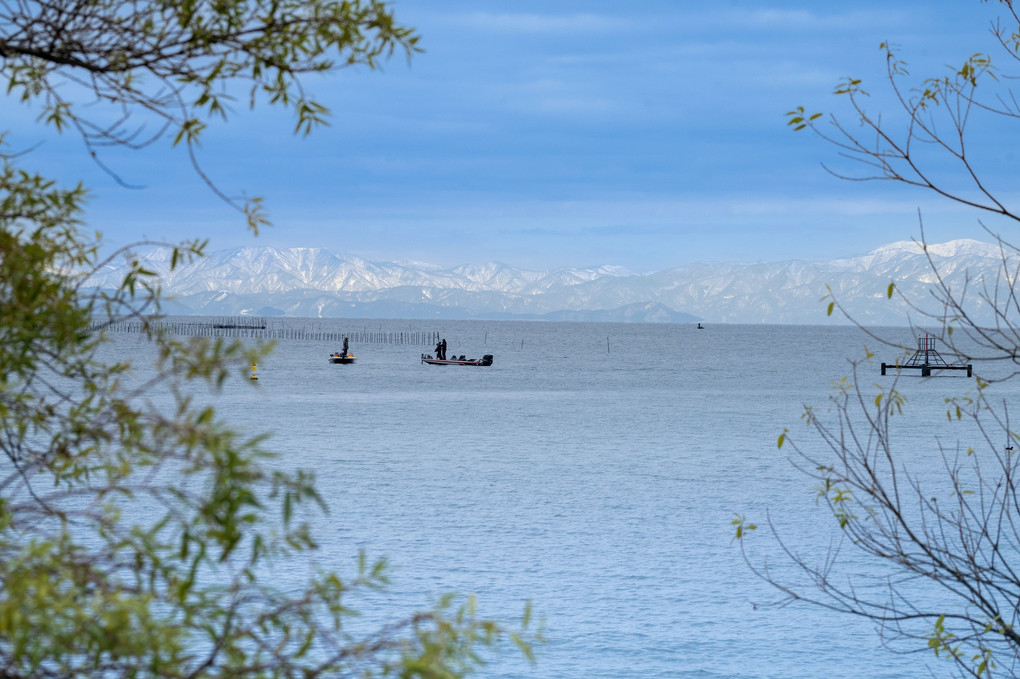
point(315, 281)
point(953, 248)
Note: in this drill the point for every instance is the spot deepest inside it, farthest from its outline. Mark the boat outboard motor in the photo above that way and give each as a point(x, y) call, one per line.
point(487, 359)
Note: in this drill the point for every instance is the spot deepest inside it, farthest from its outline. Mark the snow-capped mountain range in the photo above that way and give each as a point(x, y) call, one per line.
point(313, 282)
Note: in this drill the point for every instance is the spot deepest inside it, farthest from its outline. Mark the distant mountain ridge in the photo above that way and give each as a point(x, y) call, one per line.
point(314, 282)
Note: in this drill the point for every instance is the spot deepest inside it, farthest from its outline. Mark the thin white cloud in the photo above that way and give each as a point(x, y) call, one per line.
point(833, 18)
point(778, 17)
point(522, 23)
point(557, 97)
point(678, 21)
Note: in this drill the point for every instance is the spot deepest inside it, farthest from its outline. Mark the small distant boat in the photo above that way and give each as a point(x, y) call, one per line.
point(700, 326)
point(485, 360)
point(337, 357)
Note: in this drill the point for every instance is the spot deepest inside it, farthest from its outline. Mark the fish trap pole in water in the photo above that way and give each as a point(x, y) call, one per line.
point(926, 358)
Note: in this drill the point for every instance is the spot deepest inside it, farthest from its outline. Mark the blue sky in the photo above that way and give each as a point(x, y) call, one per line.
point(548, 134)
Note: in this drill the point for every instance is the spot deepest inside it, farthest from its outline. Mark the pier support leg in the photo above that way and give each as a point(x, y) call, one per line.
point(883, 368)
point(926, 371)
point(969, 370)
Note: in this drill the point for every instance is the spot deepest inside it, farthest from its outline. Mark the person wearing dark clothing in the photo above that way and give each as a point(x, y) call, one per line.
point(439, 350)
point(345, 347)
point(443, 343)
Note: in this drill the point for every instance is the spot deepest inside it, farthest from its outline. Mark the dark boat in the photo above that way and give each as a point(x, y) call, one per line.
point(337, 357)
point(485, 360)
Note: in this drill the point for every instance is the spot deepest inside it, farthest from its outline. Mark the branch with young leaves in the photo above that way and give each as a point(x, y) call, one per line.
point(151, 70)
point(140, 540)
point(951, 577)
point(926, 147)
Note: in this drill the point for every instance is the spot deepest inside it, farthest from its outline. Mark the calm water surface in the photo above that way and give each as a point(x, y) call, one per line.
point(593, 469)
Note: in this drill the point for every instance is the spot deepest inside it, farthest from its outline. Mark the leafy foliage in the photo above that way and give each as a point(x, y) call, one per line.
point(137, 539)
point(132, 72)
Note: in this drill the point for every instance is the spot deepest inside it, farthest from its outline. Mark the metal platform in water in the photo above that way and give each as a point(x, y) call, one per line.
point(926, 359)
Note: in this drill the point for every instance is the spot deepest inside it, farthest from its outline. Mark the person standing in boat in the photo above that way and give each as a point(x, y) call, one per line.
point(345, 347)
point(443, 343)
point(439, 349)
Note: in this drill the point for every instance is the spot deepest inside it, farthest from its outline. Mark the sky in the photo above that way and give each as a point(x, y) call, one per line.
point(646, 135)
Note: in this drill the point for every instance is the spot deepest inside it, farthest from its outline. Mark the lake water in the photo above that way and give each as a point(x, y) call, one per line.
point(593, 469)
